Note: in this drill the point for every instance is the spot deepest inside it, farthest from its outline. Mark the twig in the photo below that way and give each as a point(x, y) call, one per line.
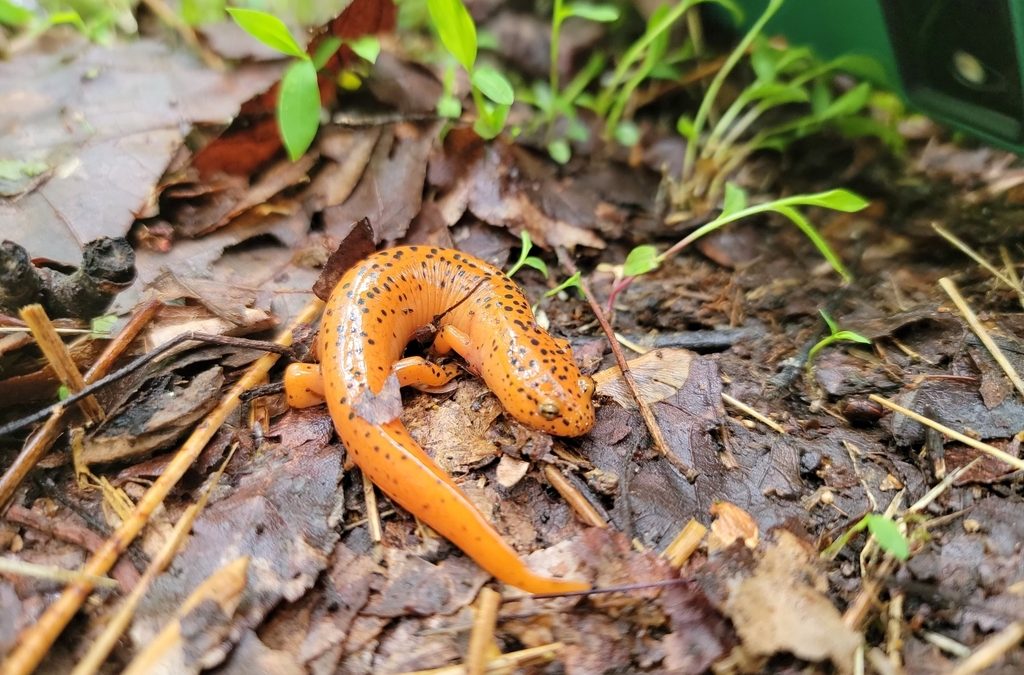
point(482, 635)
point(1011, 272)
point(36, 640)
point(583, 508)
point(746, 409)
point(956, 435)
point(116, 626)
point(949, 286)
point(37, 446)
point(645, 409)
point(107, 380)
point(56, 353)
point(991, 650)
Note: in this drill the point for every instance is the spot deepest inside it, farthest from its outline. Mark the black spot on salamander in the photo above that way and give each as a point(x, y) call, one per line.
point(370, 341)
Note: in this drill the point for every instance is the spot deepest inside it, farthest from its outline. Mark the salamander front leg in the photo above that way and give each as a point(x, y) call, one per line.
point(303, 385)
point(416, 371)
point(451, 338)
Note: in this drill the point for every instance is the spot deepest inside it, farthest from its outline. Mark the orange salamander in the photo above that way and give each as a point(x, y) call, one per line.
point(375, 310)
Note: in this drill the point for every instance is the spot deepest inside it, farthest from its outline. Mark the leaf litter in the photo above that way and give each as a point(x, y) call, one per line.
point(233, 239)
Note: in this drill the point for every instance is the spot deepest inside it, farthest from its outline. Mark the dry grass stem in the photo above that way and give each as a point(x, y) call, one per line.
point(991, 650)
point(750, 412)
point(481, 638)
point(583, 508)
point(372, 511)
point(118, 623)
point(224, 587)
point(976, 257)
point(685, 543)
point(43, 439)
point(993, 451)
point(51, 573)
point(972, 319)
point(57, 355)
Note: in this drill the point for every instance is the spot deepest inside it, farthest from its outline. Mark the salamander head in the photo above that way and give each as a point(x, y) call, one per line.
point(540, 385)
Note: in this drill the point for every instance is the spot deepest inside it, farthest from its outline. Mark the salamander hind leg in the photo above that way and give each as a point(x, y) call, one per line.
point(416, 371)
point(451, 338)
point(303, 385)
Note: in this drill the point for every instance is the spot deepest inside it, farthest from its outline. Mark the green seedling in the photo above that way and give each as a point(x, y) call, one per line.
point(101, 326)
point(649, 57)
point(885, 531)
point(645, 258)
point(96, 21)
point(787, 79)
point(571, 282)
point(492, 92)
point(526, 259)
point(298, 98)
point(835, 335)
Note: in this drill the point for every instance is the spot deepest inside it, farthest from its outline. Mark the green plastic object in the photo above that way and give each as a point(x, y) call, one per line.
point(958, 61)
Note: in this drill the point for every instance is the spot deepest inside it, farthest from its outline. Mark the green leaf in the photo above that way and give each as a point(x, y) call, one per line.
point(571, 282)
point(537, 264)
point(735, 199)
point(686, 128)
point(63, 392)
point(849, 103)
point(819, 242)
point(559, 150)
point(641, 260)
point(591, 12)
point(102, 325)
point(269, 30)
point(367, 48)
point(851, 336)
point(493, 85)
point(456, 29)
point(448, 106)
point(490, 123)
point(14, 15)
point(763, 58)
point(829, 321)
point(627, 133)
point(837, 200)
point(888, 536)
point(298, 108)
point(325, 50)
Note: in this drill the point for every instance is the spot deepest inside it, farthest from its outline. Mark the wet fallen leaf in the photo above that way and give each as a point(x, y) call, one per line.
point(102, 161)
point(659, 374)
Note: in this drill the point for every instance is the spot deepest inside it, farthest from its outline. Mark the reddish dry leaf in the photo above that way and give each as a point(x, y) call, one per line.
point(105, 122)
point(357, 245)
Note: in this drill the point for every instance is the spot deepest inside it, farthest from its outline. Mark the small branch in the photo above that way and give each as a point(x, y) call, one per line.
point(645, 409)
point(583, 508)
point(746, 409)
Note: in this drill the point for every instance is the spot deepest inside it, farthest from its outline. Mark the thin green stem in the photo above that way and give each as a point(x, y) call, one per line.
point(716, 85)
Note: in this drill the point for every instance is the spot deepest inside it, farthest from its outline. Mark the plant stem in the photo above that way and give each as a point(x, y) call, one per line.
point(716, 85)
point(557, 16)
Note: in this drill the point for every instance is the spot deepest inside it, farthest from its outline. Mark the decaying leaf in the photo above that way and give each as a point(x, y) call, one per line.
point(659, 374)
point(780, 606)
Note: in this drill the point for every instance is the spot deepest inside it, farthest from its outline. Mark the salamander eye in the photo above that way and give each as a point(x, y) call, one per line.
point(549, 410)
point(586, 385)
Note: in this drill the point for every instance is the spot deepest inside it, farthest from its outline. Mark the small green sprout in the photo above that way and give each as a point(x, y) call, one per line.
point(298, 99)
point(571, 282)
point(885, 531)
point(63, 392)
point(492, 92)
point(835, 335)
point(526, 259)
